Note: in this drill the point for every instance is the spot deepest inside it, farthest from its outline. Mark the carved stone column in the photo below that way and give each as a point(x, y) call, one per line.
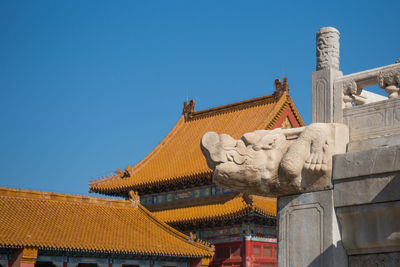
point(325, 101)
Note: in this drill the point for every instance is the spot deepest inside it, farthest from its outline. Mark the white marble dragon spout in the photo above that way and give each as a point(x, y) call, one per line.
point(276, 162)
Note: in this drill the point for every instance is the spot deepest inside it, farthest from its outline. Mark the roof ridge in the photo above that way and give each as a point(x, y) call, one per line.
point(230, 107)
point(36, 194)
point(282, 103)
point(280, 89)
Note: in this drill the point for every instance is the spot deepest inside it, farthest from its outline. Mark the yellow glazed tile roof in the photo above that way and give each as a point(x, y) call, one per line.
point(235, 207)
point(80, 223)
point(179, 156)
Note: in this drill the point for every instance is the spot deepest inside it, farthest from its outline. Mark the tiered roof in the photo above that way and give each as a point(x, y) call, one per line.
point(236, 207)
point(88, 224)
point(178, 157)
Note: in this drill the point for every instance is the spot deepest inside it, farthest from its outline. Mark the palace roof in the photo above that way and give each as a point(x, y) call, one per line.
point(178, 157)
point(237, 206)
point(88, 224)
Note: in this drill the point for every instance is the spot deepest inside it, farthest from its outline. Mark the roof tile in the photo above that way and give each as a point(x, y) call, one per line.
point(234, 207)
point(60, 221)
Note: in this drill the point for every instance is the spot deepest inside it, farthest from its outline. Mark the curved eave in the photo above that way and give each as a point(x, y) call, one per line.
point(205, 214)
point(109, 252)
point(121, 190)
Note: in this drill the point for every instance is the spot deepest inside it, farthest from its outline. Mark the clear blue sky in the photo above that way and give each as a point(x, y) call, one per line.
point(87, 87)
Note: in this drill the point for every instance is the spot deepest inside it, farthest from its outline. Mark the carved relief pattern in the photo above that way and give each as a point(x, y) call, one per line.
point(327, 48)
point(350, 89)
point(372, 120)
point(390, 81)
point(373, 260)
point(321, 100)
point(294, 216)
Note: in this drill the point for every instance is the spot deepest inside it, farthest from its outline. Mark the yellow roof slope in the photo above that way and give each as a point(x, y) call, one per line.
point(235, 207)
point(179, 155)
point(80, 223)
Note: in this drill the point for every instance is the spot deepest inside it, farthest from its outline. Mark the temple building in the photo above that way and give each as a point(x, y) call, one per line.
point(175, 183)
point(42, 229)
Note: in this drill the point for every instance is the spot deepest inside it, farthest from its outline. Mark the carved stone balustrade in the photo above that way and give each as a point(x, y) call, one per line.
point(388, 78)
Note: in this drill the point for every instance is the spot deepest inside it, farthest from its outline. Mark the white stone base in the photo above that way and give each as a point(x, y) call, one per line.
point(309, 232)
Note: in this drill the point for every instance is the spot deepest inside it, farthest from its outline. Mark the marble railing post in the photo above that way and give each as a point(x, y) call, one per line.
point(326, 102)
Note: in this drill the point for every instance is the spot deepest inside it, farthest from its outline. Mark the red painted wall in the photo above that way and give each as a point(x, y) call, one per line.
point(245, 254)
point(261, 254)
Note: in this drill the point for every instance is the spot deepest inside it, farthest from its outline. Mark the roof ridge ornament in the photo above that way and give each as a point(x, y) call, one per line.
point(134, 198)
point(192, 237)
point(188, 109)
point(247, 199)
point(281, 87)
point(127, 172)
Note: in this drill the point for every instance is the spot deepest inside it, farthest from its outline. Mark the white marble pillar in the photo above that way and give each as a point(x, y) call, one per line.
point(309, 231)
point(325, 99)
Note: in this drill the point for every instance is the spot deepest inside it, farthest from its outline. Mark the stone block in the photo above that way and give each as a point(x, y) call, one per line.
point(367, 189)
point(378, 142)
point(368, 162)
point(309, 232)
point(373, 260)
point(372, 228)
